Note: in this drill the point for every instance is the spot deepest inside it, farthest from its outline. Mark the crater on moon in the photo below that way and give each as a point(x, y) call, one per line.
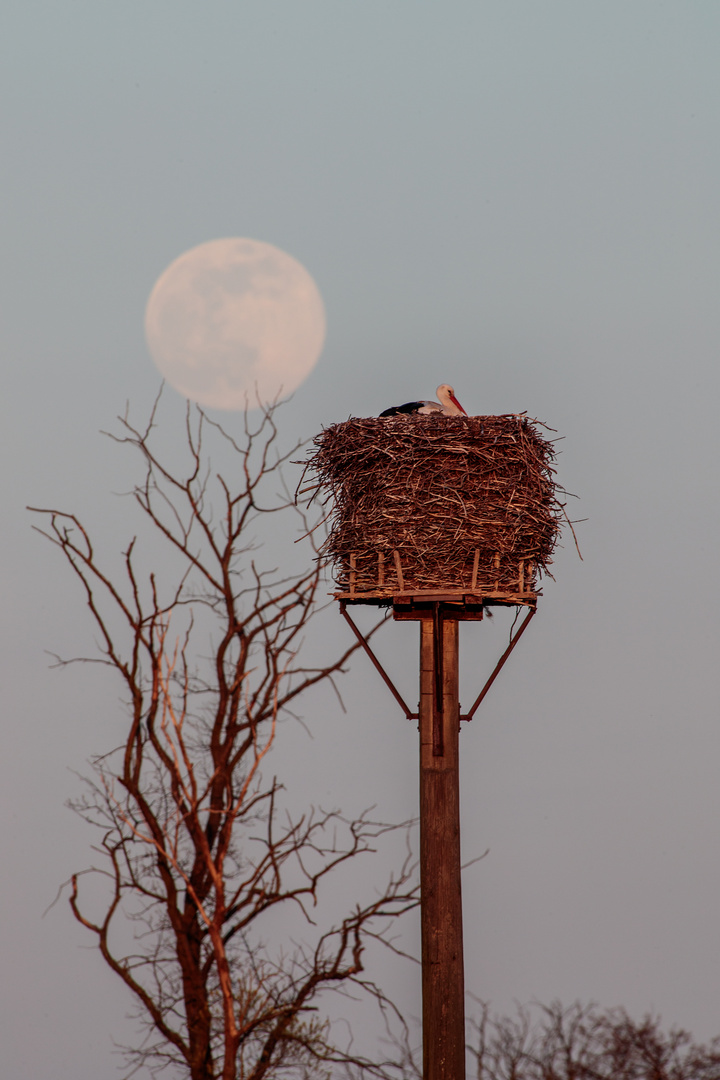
point(234, 320)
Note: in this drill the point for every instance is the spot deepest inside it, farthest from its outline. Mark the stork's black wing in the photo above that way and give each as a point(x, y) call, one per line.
point(404, 410)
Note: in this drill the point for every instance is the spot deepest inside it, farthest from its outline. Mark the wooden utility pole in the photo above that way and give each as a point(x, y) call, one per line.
point(443, 984)
point(443, 989)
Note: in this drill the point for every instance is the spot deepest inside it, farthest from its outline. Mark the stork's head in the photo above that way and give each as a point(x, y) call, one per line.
point(446, 396)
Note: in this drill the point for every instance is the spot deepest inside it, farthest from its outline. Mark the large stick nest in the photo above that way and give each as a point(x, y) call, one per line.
point(437, 503)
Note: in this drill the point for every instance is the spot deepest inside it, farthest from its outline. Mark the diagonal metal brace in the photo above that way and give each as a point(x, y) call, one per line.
point(498, 667)
point(388, 681)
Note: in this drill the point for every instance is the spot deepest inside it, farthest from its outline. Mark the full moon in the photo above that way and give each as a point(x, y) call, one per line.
point(233, 321)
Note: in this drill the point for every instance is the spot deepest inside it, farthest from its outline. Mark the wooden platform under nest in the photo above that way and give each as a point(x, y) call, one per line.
point(422, 505)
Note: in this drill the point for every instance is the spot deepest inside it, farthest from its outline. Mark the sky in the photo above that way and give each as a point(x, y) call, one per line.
point(520, 199)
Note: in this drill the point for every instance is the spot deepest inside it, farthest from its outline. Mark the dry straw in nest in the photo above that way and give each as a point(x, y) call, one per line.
point(426, 503)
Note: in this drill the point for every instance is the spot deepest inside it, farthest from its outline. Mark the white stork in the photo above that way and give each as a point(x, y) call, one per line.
point(448, 405)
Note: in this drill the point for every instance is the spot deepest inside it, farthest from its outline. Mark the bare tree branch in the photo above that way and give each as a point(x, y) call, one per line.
point(197, 850)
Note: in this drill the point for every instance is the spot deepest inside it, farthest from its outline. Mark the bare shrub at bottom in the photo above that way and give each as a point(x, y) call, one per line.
point(584, 1042)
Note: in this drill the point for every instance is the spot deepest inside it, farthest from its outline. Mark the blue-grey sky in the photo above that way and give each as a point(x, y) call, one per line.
point(518, 198)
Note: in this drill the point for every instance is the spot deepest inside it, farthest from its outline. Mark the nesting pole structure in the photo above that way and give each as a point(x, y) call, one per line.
point(439, 518)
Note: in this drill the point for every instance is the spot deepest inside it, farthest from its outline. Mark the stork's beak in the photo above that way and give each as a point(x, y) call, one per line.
point(457, 403)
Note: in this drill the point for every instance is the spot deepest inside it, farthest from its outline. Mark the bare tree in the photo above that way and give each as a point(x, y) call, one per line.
point(583, 1042)
point(197, 848)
